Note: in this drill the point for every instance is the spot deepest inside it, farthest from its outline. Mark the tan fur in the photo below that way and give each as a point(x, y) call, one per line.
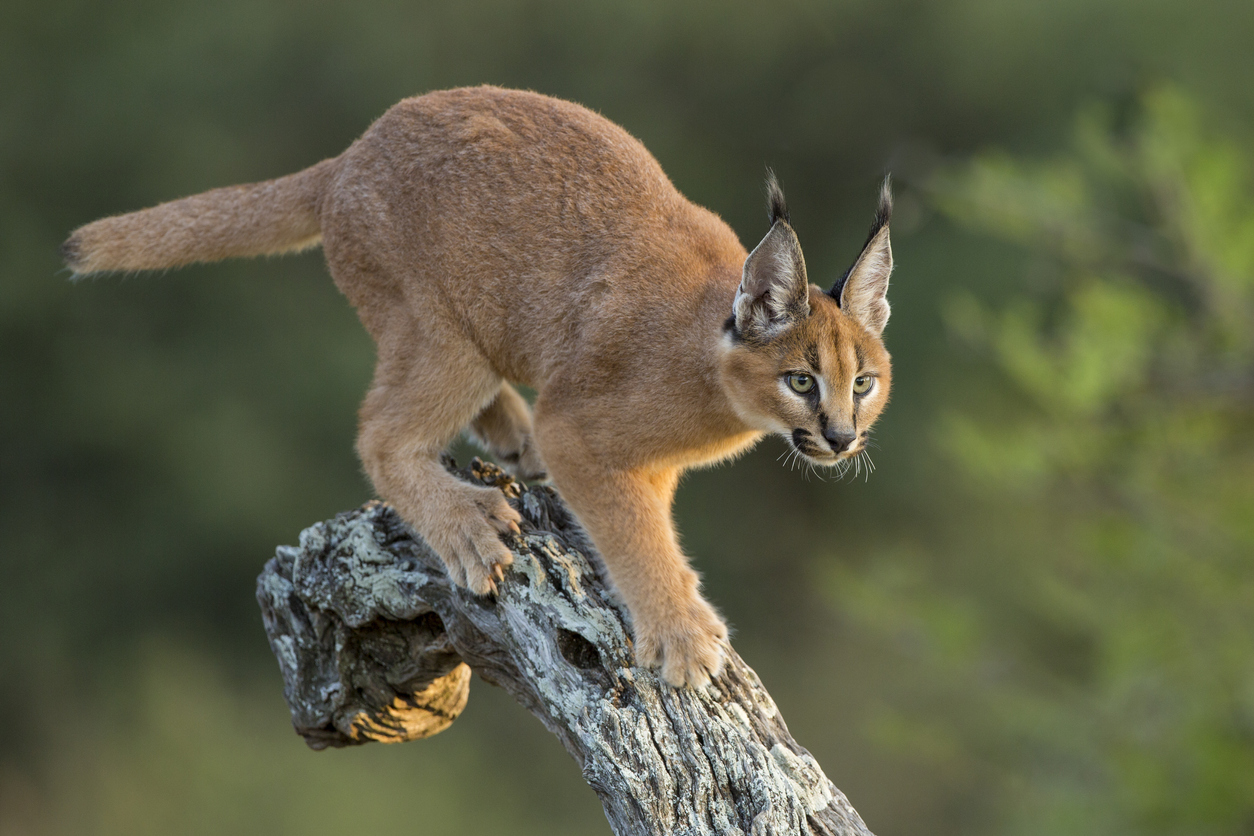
point(489, 236)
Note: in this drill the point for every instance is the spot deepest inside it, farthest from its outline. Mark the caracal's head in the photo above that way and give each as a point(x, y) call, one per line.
point(806, 363)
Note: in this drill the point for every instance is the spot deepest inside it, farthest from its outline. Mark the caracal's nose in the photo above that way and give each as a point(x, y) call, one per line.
point(839, 441)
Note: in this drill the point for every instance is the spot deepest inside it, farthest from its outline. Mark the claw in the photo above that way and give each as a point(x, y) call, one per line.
point(513, 527)
point(498, 572)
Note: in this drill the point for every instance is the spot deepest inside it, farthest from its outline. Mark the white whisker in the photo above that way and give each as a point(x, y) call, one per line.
point(870, 465)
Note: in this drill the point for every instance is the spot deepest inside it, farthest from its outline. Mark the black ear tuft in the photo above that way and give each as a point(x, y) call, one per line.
point(775, 203)
point(883, 214)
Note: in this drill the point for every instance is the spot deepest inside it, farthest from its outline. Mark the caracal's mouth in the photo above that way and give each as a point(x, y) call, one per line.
point(804, 443)
point(830, 459)
point(805, 449)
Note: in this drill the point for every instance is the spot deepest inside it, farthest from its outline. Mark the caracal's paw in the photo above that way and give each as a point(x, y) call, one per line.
point(688, 644)
point(468, 537)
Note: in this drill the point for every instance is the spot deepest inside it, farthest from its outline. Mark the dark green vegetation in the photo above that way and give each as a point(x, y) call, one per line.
point(1037, 616)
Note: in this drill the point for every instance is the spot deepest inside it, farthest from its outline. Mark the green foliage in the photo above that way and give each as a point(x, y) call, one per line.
point(1107, 429)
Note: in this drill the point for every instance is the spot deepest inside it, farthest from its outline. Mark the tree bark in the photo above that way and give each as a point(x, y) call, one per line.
point(376, 643)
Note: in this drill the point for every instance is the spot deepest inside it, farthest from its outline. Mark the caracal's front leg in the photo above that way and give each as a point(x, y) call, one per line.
point(628, 515)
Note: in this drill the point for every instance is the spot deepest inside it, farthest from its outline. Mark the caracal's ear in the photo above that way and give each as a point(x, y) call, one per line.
point(774, 293)
point(862, 291)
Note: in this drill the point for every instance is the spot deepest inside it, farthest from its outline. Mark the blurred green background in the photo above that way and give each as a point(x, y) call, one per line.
point(1036, 617)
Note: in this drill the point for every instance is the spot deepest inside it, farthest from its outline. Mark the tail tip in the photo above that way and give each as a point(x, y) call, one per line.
point(71, 252)
point(77, 257)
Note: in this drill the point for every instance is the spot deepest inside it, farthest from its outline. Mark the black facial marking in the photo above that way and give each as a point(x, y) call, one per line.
point(823, 421)
point(812, 357)
point(861, 355)
point(729, 327)
point(801, 440)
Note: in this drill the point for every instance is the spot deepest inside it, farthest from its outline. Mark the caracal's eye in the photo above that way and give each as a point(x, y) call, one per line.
point(862, 384)
point(801, 383)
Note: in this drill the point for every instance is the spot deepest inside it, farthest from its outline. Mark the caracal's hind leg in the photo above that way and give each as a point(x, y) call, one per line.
point(503, 428)
point(417, 405)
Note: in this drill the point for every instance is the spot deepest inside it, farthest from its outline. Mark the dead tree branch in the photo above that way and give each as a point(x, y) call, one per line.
point(375, 643)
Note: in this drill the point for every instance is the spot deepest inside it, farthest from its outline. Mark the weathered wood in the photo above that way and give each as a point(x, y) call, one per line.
point(374, 642)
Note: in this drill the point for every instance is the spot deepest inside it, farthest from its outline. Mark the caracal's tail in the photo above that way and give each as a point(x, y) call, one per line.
point(277, 216)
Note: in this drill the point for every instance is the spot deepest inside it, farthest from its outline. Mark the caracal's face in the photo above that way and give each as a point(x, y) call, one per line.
point(821, 384)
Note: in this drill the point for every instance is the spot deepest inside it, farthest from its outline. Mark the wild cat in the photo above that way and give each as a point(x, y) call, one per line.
point(492, 237)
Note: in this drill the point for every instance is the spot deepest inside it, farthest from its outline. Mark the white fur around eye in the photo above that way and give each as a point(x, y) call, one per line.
point(789, 391)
